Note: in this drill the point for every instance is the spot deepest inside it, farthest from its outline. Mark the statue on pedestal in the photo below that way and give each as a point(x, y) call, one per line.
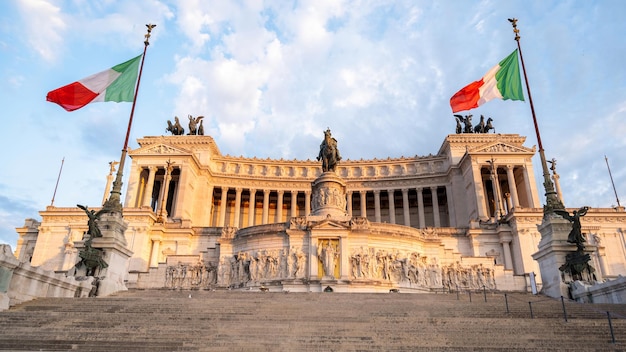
point(329, 154)
point(575, 236)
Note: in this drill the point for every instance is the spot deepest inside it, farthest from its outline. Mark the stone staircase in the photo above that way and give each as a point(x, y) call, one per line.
point(161, 320)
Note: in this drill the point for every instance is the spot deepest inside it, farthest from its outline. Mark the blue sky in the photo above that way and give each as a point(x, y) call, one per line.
point(270, 76)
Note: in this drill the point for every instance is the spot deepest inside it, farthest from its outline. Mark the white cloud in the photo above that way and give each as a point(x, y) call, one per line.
point(44, 25)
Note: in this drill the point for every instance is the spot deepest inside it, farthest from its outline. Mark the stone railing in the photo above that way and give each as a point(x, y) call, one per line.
point(21, 282)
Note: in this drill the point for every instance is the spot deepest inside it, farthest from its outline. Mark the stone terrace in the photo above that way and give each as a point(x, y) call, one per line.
point(160, 320)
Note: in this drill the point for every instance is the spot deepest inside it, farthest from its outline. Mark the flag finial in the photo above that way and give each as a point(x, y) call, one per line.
point(150, 26)
point(515, 30)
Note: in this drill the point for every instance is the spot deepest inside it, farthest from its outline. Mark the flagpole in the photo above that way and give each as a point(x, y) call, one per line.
point(613, 183)
point(552, 201)
point(114, 203)
point(59, 177)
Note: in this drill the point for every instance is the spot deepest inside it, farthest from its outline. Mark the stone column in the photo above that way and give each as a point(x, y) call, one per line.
point(154, 256)
point(147, 195)
point(294, 204)
point(433, 191)
point(377, 217)
point(405, 207)
point(557, 185)
point(237, 207)
point(392, 206)
point(349, 202)
point(252, 207)
point(209, 207)
point(132, 189)
point(180, 202)
point(164, 194)
point(307, 202)
point(266, 206)
point(363, 195)
point(279, 206)
point(481, 203)
point(223, 204)
point(505, 239)
point(451, 210)
point(420, 207)
point(512, 186)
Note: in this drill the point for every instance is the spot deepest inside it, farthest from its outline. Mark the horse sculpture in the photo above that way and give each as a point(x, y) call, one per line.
point(176, 129)
point(329, 154)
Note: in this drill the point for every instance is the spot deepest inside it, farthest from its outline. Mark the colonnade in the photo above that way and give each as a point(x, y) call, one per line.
point(243, 207)
point(506, 187)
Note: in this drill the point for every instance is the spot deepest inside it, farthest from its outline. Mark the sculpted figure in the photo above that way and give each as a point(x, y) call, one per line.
point(93, 216)
point(575, 236)
point(200, 129)
point(193, 123)
point(480, 128)
point(328, 255)
point(467, 121)
point(329, 154)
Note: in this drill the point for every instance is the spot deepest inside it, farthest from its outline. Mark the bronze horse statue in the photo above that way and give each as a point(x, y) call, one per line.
point(329, 154)
point(176, 129)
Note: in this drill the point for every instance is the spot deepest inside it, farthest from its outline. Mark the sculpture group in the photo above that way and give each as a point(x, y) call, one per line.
point(195, 126)
point(467, 127)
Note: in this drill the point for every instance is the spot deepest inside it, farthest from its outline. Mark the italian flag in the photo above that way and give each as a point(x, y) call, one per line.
point(502, 81)
point(115, 84)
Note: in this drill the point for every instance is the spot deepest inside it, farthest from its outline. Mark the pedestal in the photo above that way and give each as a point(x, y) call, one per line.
point(328, 195)
point(553, 249)
point(115, 253)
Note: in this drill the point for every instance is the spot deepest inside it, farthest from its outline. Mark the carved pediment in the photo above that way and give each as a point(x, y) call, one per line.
point(329, 224)
point(160, 149)
point(500, 147)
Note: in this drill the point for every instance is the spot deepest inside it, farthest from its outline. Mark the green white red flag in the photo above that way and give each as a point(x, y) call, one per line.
point(502, 82)
point(115, 84)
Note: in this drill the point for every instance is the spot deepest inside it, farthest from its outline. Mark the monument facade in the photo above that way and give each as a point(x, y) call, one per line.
point(465, 217)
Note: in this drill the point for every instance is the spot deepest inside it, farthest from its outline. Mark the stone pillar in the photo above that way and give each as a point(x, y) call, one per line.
point(307, 202)
point(266, 206)
point(115, 253)
point(437, 217)
point(154, 255)
point(252, 207)
point(420, 207)
point(179, 201)
point(329, 195)
point(377, 217)
point(294, 204)
point(164, 194)
point(147, 195)
point(505, 240)
point(363, 196)
point(405, 207)
point(349, 202)
point(392, 206)
point(209, 207)
point(557, 185)
point(237, 206)
point(451, 210)
point(132, 189)
point(223, 204)
point(551, 255)
point(279, 206)
point(512, 186)
point(479, 192)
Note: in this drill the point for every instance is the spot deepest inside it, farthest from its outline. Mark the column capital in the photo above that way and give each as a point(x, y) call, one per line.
point(238, 189)
point(267, 191)
point(280, 192)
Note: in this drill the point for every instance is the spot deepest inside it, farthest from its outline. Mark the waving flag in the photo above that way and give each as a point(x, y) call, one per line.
point(115, 84)
point(502, 81)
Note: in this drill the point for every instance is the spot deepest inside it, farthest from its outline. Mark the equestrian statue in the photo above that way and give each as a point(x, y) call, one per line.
point(329, 154)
